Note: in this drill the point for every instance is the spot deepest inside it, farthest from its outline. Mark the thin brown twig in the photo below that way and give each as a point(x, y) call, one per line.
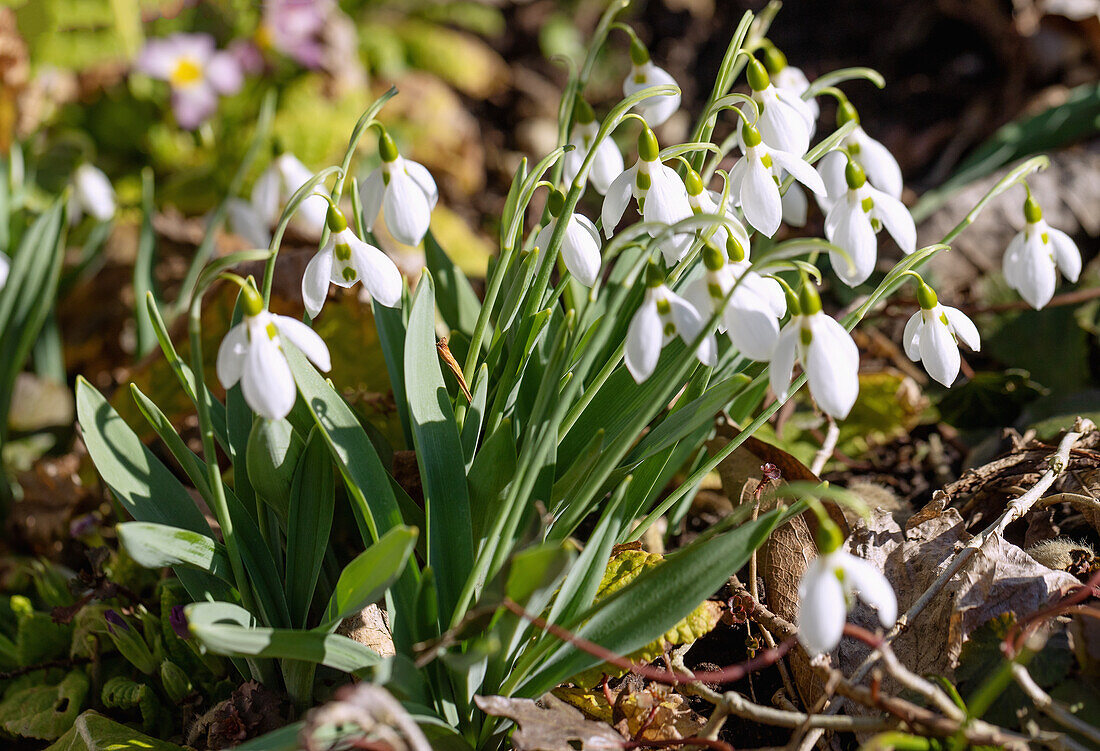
point(68, 662)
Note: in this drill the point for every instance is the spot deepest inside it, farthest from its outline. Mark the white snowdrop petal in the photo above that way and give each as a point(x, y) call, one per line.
point(658, 108)
point(1012, 262)
point(581, 250)
point(406, 209)
point(963, 327)
point(245, 221)
point(423, 178)
point(370, 194)
point(822, 611)
point(800, 169)
point(753, 331)
point(306, 339)
point(873, 588)
point(315, 281)
point(615, 201)
point(831, 169)
point(911, 336)
point(378, 272)
point(782, 127)
point(267, 384)
point(783, 357)
point(1038, 276)
point(606, 165)
point(5, 267)
point(666, 201)
point(265, 195)
point(760, 199)
point(852, 232)
point(689, 324)
point(94, 191)
point(644, 338)
point(231, 352)
point(833, 377)
point(897, 220)
point(938, 350)
point(1066, 255)
point(795, 206)
point(881, 166)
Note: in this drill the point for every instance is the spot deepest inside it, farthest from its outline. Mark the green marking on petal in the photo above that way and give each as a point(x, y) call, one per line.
point(867, 204)
point(766, 160)
point(670, 328)
point(342, 251)
point(664, 307)
point(272, 332)
point(806, 336)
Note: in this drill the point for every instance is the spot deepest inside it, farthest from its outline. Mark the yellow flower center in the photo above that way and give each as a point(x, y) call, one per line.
point(187, 73)
point(263, 37)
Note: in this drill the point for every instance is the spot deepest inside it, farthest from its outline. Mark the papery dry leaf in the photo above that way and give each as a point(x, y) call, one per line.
point(550, 724)
point(998, 578)
point(654, 713)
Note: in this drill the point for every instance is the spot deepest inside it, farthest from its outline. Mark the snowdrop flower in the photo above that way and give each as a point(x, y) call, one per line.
point(252, 354)
point(704, 201)
point(244, 220)
point(643, 74)
point(786, 77)
point(1036, 255)
point(826, 351)
point(786, 122)
point(854, 219)
point(828, 590)
point(877, 162)
point(662, 316)
point(661, 195)
point(754, 180)
point(274, 188)
point(608, 162)
point(92, 194)
point(580, 246)
point(345, 260)
point(404, 189)
point(933, 334)
point(751, 316)
point(196, 72)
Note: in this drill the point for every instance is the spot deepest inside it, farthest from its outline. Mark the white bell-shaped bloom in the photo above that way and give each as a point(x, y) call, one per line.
point(796, 207)
point(878, 163)
point(788, 78)
point(92, 194)
point(827, 591)
point(1035, 257)
point(933, 333)
point(750, 318)
point(662, 316)
point(661, 195)
point(580, 245)
point(274, 188)
point(827, 353)
point(643, 74)
point(854, 220)
point(403, 190)
point(244, 220)
point(252, 354)
point(786, 122)
point(607, 164)
point(755, 179)
point(345, 260)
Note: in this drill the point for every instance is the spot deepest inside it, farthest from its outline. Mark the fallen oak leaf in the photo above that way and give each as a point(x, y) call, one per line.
point(550, 725)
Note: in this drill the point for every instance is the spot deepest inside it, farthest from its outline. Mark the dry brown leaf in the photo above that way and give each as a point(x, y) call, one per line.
point(550, 724)
point(999, 578)
point(653, 713)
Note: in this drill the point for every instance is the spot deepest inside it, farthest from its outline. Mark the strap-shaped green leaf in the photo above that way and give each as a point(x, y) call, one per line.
point(369, 575)
point(312, 503)
point(158, 545)
point(457, 301)
point(438, 452)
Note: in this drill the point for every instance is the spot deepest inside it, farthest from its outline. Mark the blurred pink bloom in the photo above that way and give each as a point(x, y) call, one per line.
point(247, 55)
point(294, 27)
point(195, 70)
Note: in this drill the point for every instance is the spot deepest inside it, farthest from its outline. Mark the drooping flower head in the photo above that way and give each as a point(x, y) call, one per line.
point(643, 74)
point(662, 316)
point(787, 77)
point(580, 246)
point(755, 180)
point(828, 590)
point(876, 160)
point(855, 218)
point(750, 318)
point(933, 333)
point(252, 354)
point(608, 162)
point(274, 188)
point(1036, 255)
point(703, 201)
point(345, 260)
point(92, 194)
point(786, 121)
point(659, 191)
point(826, 351)
point(196, 72)
point(403, 190)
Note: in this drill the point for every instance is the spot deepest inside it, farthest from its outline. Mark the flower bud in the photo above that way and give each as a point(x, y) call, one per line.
point(846, 113)
point(793, 306)
point(175, 681)
point(129, 642)
point(271, 457)
point(1033, 212)
point(774, 59)
point(648, 148)
point(712, 258)
point(809, 300)
point(757, 75)
point(177, 619)
point(926, 296)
